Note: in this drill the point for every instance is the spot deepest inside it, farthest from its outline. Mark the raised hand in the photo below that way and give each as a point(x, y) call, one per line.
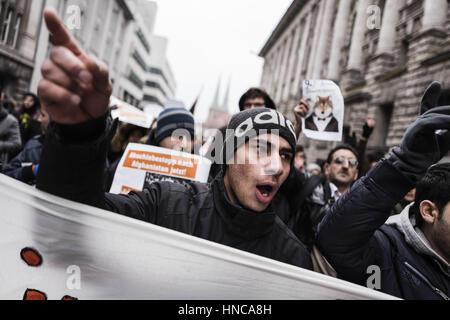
point(425, 143)
point(431, 97)
point(300, 112)
point(75, 87)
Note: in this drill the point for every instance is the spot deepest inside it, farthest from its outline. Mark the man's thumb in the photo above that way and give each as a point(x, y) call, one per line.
point(431, 97)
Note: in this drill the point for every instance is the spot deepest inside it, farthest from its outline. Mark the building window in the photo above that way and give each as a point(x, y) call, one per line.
point(152, 84)
point(16, 31)
point(135, 80)
point(159, 72)
point(6, 26)
point(140, 60)
point(144, 41)
point(148, 98)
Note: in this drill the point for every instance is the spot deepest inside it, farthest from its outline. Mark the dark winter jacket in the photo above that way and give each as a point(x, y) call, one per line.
point(353, 237)
point(317, 196)
point(10, 141)
point(201, 210)
point(20, 167)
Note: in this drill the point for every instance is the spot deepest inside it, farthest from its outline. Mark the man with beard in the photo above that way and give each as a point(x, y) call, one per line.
point(340, 171)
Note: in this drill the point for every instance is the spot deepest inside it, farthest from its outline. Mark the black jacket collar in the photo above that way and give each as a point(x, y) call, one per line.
point(242, 222)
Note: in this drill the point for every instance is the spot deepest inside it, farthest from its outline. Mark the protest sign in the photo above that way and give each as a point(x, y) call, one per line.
point(129, 114)
point(325, 119)
point(52, 248)
point(142, 165)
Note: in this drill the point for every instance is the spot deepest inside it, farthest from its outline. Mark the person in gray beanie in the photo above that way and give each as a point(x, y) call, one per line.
point(169, 121)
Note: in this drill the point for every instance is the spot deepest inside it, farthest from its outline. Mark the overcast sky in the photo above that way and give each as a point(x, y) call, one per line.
point(213, 38)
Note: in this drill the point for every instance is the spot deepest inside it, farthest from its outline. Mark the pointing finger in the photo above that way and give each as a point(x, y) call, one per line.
point(60, 35)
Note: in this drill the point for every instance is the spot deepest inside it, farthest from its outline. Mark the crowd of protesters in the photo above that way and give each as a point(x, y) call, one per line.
point(338, 216)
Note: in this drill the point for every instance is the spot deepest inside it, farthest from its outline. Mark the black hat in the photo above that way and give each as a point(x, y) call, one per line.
point(248, 124)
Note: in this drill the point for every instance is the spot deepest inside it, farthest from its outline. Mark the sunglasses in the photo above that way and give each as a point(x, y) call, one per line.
point(351, 162)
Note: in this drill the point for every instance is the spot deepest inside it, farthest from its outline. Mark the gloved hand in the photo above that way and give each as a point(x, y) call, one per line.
point(368, 127)
point(431, 97)
point(423, 144)
point(29, 173)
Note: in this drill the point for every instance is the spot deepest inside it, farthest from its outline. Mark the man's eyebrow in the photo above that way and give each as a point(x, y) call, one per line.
point(289, 150)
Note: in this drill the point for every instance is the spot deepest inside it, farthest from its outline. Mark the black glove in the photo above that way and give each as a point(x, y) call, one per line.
point(425, 143)
point(367, 131)
point(431, 97)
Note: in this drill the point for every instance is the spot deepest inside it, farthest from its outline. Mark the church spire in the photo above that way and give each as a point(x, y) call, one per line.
point(216, 104)
point(226, 100)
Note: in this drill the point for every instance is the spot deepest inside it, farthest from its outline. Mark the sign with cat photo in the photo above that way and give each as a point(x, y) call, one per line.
point(325, 118)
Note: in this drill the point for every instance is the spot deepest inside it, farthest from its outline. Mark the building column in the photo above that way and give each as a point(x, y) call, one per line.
point(276, 75)
point(391, 15)
point(323, 39)
point(283, 63)
point(316, 35)
point(296, 88)
point(290, 64)
point(435, 14)
point(356, 53)
point(340, 28)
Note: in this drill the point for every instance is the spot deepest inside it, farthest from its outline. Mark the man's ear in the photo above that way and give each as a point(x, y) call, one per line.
point(356, 174)
point(428, 211)
point(326, 169)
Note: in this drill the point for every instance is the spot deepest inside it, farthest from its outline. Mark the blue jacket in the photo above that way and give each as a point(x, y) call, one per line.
point(353, 237)
point(20, 167)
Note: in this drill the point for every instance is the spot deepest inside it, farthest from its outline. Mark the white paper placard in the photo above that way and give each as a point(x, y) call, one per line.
point(325, 118)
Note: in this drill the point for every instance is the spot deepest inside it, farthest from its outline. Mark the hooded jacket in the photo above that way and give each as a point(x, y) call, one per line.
point(10, 141)
point(201, 210)
point(353, 237)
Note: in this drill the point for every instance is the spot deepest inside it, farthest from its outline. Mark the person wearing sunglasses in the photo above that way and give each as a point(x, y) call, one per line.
point(320, 192)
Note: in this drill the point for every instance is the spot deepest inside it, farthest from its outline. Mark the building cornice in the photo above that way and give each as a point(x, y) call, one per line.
point(16, 56)
point(286, 20)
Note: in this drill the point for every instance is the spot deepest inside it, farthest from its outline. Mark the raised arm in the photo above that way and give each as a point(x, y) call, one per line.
point(348, 234)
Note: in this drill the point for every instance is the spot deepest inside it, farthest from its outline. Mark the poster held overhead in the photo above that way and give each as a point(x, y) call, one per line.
point(129, 114)
point(325, 119)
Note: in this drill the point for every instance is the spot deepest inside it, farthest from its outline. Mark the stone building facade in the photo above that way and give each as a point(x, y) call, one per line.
point(382, 54)
point(19, 34)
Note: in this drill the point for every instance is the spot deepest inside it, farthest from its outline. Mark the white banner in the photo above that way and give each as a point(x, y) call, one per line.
point(54, 248)
point(325, 119)
point(142, 165)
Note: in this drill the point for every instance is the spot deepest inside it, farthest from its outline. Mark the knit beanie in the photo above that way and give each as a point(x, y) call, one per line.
point(248, 124)
point(172, 119)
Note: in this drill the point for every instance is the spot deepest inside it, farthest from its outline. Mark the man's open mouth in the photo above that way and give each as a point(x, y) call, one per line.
point(265, 192)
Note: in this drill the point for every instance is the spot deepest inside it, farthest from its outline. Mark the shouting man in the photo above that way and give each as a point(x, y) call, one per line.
point(234, 210)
